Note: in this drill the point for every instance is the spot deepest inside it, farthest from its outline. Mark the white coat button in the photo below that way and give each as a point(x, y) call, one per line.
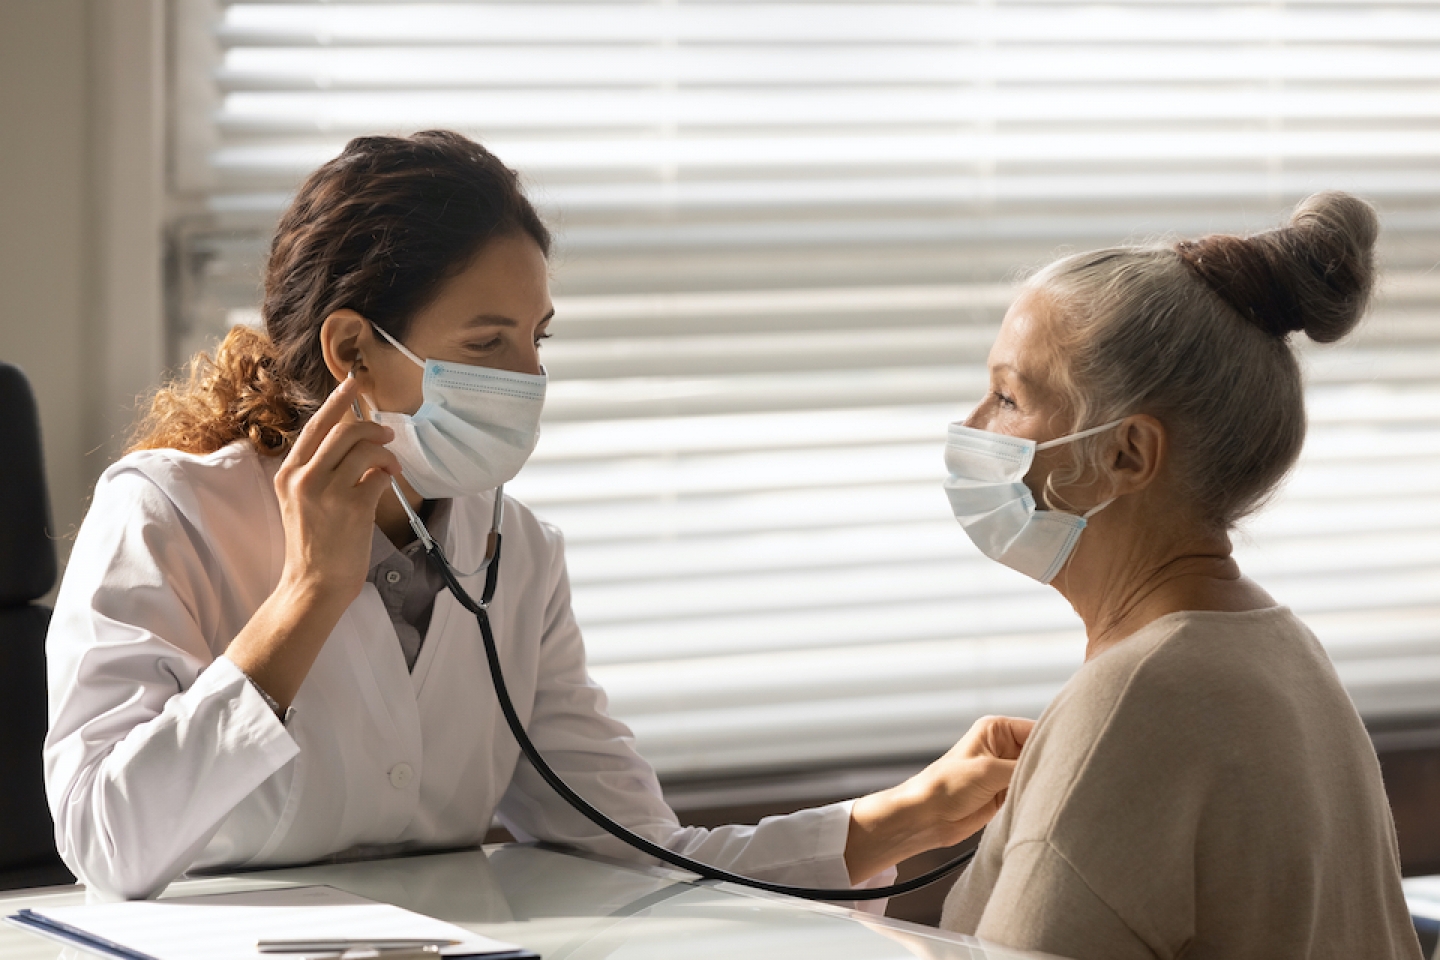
point(400, 775)
point(393, 576)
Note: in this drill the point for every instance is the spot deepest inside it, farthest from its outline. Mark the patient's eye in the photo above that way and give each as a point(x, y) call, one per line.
point(1005, 401)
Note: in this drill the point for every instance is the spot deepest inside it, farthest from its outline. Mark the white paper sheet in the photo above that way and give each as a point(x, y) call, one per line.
point(227, 926)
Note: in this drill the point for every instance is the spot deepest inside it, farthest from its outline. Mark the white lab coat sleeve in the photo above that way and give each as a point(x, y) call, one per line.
point(596, 755)
point(153, 739)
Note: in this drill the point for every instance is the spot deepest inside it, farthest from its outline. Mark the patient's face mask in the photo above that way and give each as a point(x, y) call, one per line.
point(988, 495)
point(474, 431)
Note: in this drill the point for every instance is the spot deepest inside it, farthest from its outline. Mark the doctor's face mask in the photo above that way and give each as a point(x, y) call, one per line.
point(474, 431)
point(989, 497)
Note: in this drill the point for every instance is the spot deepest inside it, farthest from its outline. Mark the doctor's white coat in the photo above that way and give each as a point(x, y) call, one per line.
point(162, 759)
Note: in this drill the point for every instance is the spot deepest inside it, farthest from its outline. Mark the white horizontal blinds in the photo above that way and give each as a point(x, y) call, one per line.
point(786, 234)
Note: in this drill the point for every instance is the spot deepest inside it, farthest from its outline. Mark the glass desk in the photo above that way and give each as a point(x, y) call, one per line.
point(567, 906)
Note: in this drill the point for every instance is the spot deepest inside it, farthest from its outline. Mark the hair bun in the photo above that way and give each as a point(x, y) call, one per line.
point(1315, 273)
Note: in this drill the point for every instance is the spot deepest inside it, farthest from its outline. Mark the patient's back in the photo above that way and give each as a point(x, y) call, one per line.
point(1204, 788)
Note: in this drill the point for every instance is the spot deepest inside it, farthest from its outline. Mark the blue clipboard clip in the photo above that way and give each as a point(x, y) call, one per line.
point(55, 930)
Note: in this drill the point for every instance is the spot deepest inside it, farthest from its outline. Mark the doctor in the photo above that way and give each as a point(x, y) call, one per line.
point(250, 661)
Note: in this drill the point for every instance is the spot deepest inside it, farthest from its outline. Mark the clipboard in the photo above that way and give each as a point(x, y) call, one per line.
point(230, 926)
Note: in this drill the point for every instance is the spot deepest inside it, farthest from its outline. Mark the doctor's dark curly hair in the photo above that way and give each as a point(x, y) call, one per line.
point(377, 230)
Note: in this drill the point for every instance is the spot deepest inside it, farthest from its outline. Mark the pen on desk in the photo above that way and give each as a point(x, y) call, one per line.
point(368, 953)
point(339, 946)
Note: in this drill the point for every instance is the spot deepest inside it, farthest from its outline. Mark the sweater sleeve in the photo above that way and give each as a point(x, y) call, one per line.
point(1041, 903)
point(153, 739)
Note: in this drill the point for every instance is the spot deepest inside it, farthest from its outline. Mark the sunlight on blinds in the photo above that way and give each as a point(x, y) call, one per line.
point(786, 235)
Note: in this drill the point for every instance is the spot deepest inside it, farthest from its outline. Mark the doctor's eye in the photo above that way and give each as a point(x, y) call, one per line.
point(542, 336)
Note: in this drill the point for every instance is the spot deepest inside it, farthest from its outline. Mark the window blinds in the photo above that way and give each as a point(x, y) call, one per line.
point(786, 235)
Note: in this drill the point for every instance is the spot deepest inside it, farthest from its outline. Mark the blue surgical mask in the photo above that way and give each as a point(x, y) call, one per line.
point(474, 431)
point(988, 495)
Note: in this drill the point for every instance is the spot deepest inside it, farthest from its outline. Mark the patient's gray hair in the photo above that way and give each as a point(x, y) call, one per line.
point(1197, 334)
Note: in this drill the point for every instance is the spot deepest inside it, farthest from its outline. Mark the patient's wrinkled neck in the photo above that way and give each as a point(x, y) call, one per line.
point(1130, 569)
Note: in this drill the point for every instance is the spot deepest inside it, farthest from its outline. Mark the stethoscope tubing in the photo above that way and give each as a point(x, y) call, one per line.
point(595, 816)
point(491, 566)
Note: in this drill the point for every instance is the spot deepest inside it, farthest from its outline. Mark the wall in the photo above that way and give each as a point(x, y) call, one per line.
point(81, 179)
point(44, 207)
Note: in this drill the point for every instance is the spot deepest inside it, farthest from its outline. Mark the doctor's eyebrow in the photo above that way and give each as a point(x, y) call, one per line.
point(495, 319)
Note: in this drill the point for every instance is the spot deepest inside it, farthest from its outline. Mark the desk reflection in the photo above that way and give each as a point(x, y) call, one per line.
point(567, 906)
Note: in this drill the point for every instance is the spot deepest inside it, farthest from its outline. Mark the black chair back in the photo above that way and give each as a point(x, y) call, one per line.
point(27, 572)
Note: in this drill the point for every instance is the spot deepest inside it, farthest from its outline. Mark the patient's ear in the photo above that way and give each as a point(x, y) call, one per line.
point(1140, 451)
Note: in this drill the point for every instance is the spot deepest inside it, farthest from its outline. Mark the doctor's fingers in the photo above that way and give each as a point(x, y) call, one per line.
point(336, 409)
point(983, 780)
point(336, 477)
point(972, 791)
point(1002, 737)
point(365, 468)
point(338, 444)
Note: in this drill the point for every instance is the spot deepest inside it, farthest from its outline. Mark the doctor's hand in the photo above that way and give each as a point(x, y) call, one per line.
point(942, 804)
point(328, 487)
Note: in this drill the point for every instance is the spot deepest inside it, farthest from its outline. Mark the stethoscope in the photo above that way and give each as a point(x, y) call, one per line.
point(491, 568)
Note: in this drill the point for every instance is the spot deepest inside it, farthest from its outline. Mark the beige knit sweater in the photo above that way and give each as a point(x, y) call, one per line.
point(1202, 789)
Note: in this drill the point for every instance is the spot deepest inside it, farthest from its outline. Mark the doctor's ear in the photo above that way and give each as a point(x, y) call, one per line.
point(345, 340)
point(1141, 446)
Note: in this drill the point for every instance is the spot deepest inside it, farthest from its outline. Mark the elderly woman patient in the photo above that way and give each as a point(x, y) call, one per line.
point(1202, 787)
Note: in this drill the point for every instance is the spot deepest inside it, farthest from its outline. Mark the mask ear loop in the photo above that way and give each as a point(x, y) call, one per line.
point(1078, 436)
point(398, 345)
point(1081, 436)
